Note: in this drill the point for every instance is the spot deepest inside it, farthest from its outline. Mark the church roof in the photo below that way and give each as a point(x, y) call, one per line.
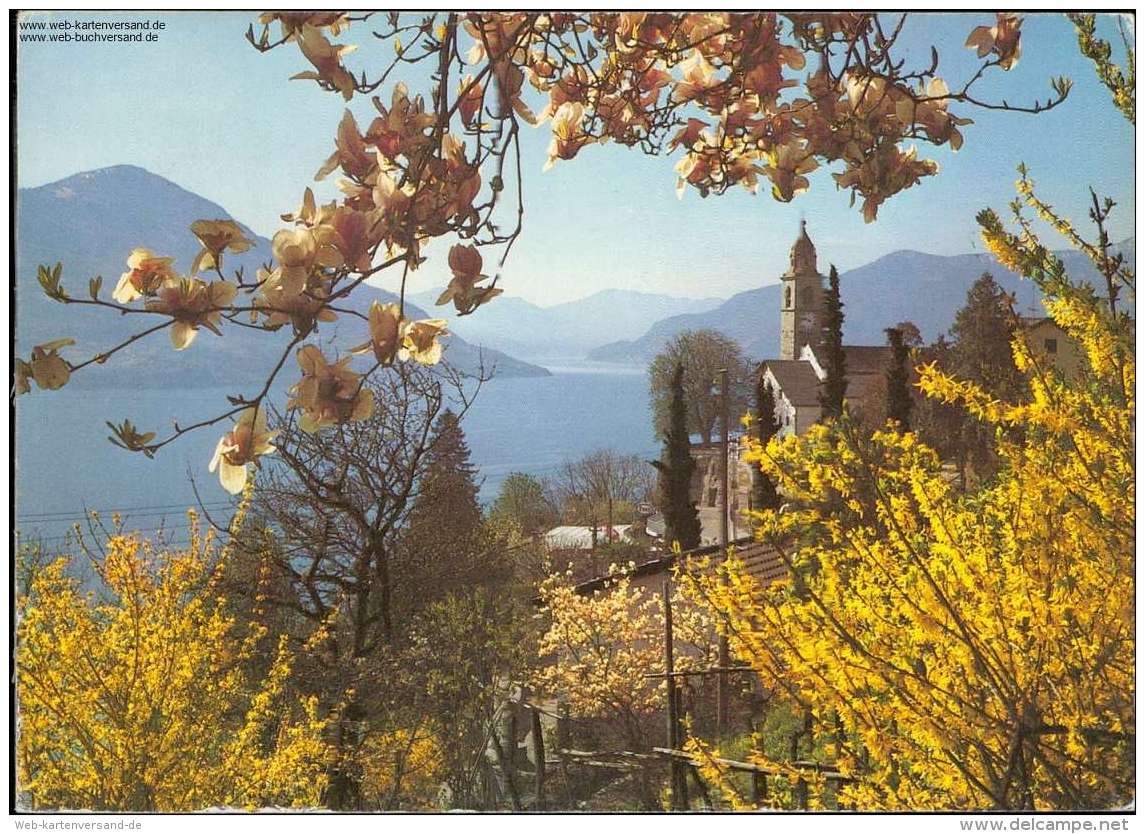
point(797, 380)
point(803, 257)
point(862, 387)
point(867, 359)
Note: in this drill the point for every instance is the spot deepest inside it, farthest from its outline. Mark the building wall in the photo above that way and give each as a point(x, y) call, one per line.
point(806, 416)
point(1067, 357)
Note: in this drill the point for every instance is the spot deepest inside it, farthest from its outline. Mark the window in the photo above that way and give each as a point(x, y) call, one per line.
point(1051, 345)
point(787, 296)
point(806, 296)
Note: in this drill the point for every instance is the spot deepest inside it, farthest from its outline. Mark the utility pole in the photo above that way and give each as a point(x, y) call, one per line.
point(722, 682)
point(675, 740)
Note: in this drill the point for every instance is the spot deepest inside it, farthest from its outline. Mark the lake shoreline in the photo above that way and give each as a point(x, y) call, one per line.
point(516, 424)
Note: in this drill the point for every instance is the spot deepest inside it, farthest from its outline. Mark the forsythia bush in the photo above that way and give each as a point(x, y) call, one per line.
point(402, 764)
point(136, 697)
point(968, 650)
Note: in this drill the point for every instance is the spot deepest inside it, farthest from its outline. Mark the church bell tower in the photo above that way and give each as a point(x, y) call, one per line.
point(801, 299)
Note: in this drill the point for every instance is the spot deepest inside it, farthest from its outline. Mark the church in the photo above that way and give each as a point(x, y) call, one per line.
point(796, 375)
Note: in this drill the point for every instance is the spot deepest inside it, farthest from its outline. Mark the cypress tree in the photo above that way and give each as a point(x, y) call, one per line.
point(681, 518)
point(763, 493)
point(834, 361)
point(899, 401)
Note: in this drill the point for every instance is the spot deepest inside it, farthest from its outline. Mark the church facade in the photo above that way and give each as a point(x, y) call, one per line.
point(797, 374)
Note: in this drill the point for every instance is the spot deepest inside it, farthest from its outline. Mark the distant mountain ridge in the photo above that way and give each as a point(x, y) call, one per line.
point(569, 329)
point(91, 221)
point(903, 286)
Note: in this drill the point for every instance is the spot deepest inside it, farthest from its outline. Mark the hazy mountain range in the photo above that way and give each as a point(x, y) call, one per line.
point(91, 221)
point(568, 330)
point(902, 286)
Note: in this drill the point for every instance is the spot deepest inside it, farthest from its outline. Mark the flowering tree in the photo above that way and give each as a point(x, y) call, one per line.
point(740, 98)
point(969, 650)
point(600, 647)
point(140, 701)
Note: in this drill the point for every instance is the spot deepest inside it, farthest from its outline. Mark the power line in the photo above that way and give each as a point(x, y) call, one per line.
point(39, 523)
point(83, 514)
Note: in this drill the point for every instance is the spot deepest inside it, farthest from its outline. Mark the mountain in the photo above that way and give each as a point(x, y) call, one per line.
point(566, 330)
point(902, 286)
point(91, 221)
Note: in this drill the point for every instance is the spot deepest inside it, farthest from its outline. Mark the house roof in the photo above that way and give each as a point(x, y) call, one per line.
point(761, 561)
point(867, 359)
point(860, 387)
point(580, 538)
point(1034, 322)
point(796, 379)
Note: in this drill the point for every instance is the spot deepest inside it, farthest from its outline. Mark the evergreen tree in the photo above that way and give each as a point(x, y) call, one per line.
point(834, 361)
point(938, 423)
point(444, 547)
point(681, 517)
point(983, 330)
point(899, 400)
point(763, 493)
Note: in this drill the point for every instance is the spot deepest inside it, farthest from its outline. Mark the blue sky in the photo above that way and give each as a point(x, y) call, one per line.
point(205, 110)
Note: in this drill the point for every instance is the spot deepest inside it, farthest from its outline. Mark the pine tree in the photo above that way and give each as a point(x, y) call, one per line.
point(681, 517)
point(834, 360)
point(983, 330)
point(444, 545)
point(899, 401)
point(763, 493)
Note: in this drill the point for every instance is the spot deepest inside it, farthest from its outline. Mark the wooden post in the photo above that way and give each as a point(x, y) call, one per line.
point(722, 682)
point(669, 666)
point(539, 762)
point(679, 777)
point(507, 770)
point(701, 789)
point(758, 788)
point(563, 738)
point(725, 502)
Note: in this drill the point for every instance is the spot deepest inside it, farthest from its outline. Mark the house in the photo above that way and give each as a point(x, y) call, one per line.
point(1051, 346)
point(761, 561)
point(580, 537)
point(797, 374)
point(707, 489)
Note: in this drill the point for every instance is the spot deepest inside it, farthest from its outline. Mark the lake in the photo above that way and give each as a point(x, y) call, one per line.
point(65, 463)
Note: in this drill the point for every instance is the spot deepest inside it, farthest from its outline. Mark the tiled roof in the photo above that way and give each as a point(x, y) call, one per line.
point(760, 559)
point(867, 359)
point(796, 379)
point(860, 387)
